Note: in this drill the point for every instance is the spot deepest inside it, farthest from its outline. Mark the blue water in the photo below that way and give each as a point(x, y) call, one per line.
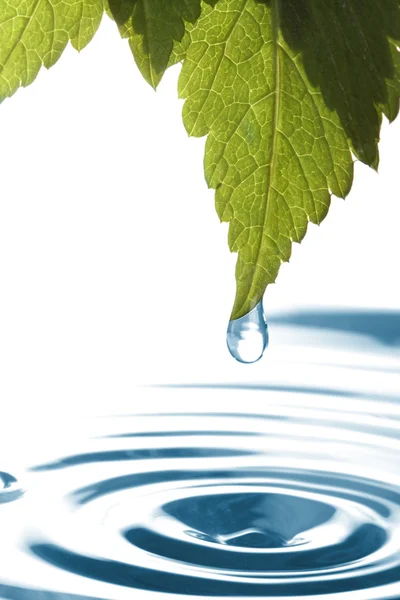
point(284, 486)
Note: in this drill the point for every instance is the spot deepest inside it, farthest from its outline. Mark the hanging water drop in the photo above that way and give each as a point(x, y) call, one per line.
point(247, 337)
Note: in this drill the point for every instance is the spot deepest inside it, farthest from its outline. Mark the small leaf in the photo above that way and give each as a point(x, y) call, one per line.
point(35, 32)
point(285, 91)
point(155, 29)
point(84, 28)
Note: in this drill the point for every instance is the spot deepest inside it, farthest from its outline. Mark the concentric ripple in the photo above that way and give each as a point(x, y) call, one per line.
point(282, 488)
point(250, 532)
point(248, 511)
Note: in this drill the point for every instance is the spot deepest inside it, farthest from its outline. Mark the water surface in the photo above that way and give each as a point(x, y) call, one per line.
point(285, 485)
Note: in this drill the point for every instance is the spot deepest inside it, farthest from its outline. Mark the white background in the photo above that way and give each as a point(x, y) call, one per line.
point(115, 271)
point(114, 268)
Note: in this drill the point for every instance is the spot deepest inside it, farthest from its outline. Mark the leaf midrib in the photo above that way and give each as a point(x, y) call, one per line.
point(272, 156)
point(146, 12)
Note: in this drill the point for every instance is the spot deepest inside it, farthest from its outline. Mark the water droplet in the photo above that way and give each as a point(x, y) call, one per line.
point(247, 337)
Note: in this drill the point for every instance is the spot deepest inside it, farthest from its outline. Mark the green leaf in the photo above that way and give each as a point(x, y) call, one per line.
point(285, 91)
point(35, 32)
point(155, 30)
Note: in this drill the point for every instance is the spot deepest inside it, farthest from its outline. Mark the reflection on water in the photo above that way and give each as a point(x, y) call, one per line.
point(9, 487)
point(276, 490)
point(9, 592)
point(142, 454)
point(382, 325)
